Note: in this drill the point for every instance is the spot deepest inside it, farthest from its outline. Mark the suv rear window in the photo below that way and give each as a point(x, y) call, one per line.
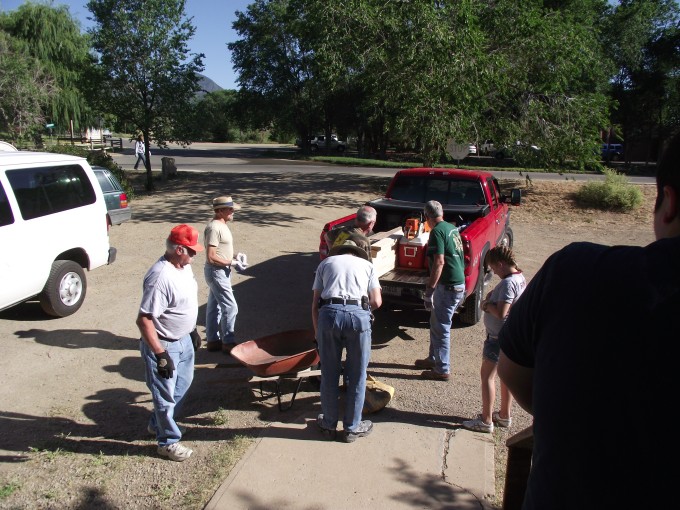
point(46, 190)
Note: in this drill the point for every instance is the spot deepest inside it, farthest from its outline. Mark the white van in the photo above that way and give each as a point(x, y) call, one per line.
point(53, 226)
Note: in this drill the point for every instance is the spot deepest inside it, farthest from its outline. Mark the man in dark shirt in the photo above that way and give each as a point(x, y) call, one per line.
point(583, 351)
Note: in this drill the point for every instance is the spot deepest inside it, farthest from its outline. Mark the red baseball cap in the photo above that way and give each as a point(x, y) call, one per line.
point(186, 235)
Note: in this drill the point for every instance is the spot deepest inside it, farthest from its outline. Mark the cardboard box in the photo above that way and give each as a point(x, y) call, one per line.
point(412, 253)
point(383, 250)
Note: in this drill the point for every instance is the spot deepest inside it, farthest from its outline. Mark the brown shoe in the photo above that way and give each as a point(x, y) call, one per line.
point(424, 363)
point(213, 346)
point(434, 376)
point(226, 348)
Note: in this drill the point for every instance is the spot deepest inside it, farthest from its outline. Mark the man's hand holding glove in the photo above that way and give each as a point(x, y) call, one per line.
point(240, 261)
point(165, 365)
point(427, 298)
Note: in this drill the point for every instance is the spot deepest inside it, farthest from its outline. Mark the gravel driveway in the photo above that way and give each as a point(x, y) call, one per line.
point(73, 403)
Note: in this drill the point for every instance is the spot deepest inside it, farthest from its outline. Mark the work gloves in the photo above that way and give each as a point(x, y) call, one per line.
point(165, 365)
point(240, 261)
point(427, 298)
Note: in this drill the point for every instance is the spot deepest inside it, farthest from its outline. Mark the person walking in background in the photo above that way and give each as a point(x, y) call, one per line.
point(588, 350)
point(363, 224)
point(496, 307)
point(167, 316)
point(445, 290)
point(221, 309)
point(346, 289)
point(140, 149)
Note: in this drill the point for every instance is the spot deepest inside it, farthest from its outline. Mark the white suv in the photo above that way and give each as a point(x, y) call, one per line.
point(319, 142)
point(53, 216)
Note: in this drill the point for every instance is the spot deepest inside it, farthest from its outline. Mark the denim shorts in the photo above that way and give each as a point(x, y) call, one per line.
point(492, 349)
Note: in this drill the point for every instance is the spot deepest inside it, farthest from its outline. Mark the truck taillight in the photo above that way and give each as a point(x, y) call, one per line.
point(123, 201)
point(323, 247)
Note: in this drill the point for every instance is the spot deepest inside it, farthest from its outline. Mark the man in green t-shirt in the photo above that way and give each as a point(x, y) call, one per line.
point(445, 290)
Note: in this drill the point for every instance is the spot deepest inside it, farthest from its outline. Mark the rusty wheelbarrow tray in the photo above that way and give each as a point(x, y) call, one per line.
point(288, 355)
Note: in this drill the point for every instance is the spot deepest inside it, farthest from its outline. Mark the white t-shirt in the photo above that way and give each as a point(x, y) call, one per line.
point(507, 291)
point(170, 296)
point(345, 276)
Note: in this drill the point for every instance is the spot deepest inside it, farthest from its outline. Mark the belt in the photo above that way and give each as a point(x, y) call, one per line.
point(160, 337)
point(340, 301)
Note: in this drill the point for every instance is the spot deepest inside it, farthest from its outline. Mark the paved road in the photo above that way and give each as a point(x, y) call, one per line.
point(275, 158)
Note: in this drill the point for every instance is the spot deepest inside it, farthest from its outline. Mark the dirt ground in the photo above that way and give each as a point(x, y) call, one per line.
point(73, 403)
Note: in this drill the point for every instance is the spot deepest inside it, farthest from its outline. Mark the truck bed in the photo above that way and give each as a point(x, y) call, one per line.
point(405, 278)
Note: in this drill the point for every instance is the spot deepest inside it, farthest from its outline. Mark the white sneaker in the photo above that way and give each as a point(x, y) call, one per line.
point(501, 422)
point(478, 425)
point(175, 451)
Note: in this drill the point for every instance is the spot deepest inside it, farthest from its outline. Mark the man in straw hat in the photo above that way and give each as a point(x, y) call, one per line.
point(167, 316)
point(345, 289)
point(221, 309)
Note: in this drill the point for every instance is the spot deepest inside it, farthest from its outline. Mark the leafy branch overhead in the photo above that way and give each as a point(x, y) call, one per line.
point(149, 78)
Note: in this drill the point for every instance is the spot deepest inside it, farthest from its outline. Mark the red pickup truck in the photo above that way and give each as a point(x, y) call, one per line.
point(471, 200)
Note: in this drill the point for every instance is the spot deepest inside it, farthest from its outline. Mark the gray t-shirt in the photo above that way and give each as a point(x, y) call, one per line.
point(170, 296)
point(507, 291)
point(345, 276)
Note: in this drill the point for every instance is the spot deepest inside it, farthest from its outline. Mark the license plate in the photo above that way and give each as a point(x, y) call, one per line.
point(392, 291)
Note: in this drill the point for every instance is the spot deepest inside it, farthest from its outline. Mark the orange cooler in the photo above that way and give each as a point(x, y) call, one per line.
point(412, 253)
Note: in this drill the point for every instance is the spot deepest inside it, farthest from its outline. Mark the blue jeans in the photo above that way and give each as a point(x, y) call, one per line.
point(343, 327)
point(140, 157)
point(221, 309)
point(444, 304)
point(168, 394)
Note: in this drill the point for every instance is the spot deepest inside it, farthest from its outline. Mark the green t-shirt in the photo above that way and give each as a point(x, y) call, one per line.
point(445, 240)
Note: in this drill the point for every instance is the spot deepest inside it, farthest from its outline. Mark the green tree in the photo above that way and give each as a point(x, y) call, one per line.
point(644, 38)
point(149, 77)
point(550, 79)
point(25, 90)
point(274, 62)
point(52, 36)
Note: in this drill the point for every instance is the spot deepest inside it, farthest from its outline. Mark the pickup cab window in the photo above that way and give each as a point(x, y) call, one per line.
point(445, 191)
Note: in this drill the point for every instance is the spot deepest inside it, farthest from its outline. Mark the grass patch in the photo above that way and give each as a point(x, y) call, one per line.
point(222, 459)
point(220, 417)
point(7, 489)
point(614, 194)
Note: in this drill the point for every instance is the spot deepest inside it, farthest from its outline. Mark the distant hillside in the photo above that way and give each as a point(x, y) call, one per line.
point(207, 85)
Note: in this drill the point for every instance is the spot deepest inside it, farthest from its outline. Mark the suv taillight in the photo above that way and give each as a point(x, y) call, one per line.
point(123, 201)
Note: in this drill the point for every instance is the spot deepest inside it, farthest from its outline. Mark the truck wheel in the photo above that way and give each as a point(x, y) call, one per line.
point(472, 307)
point(341, 148)
point(314, 148)
point(65, 289)
point(507, 238)
point(471, 313)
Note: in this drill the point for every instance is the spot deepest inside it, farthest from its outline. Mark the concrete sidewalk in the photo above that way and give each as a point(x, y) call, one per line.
point(399, 465)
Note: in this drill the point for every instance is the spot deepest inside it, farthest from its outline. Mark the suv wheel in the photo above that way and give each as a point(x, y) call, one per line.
point(314, 148)
point(65, 289)
point(341, 148)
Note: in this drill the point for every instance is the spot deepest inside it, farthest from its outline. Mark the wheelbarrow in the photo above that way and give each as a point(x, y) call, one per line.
point(289, 355)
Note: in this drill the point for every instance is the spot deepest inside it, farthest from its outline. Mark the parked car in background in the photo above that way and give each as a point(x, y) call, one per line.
point(472, 149)
point(320, 142)
point(612, 151)
point(487, 148)
point(117, 206)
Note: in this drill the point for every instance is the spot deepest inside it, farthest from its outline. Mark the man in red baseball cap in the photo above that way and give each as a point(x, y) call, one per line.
point(167, 316)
